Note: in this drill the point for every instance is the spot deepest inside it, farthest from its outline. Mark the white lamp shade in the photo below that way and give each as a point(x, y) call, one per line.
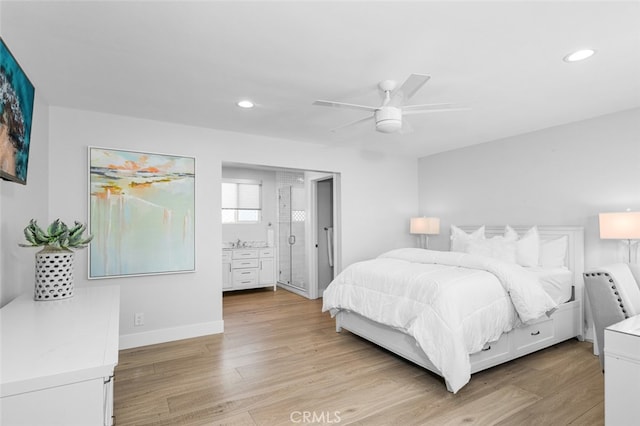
point(620, 226)
point(425, 225)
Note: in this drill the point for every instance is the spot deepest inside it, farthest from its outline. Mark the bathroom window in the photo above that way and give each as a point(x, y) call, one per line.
point(241, 201)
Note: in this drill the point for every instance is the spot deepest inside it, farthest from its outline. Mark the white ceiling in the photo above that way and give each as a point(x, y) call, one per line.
point(189, 62)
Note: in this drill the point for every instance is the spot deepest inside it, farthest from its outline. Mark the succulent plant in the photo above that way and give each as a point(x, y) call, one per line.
point(57, 235)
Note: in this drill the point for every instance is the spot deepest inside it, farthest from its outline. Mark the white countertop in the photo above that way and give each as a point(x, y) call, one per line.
point(629, 326)
point(229, 245)
point(49, 343)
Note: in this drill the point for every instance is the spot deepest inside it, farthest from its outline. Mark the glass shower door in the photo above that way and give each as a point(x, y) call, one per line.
point(291, 236)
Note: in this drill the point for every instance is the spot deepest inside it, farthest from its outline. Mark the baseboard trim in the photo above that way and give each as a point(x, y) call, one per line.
point(134, 340)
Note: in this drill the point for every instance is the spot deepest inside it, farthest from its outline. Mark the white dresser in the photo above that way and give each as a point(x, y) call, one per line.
point(622, 373)
point(248, 268)
point(58, 358)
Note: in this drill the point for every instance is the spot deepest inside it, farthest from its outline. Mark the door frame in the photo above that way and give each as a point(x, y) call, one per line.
point(311, 183)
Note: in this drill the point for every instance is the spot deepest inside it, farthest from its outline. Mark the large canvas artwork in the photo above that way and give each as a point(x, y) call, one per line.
point(16, 113)
point(141, 213)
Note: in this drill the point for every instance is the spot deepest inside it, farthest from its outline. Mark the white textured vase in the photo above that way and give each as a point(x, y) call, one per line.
point(54, 274)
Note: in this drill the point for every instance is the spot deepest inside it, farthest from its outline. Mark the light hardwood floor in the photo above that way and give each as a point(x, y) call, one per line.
point(281, 362)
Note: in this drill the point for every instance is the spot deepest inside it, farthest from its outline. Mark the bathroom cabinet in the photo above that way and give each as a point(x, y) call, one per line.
point(226, 270)
point(246, 268)
point(266, 276)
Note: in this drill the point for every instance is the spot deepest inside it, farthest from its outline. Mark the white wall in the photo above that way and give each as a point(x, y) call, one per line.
point(563, 175)
point(20, 203)
point(378, 197)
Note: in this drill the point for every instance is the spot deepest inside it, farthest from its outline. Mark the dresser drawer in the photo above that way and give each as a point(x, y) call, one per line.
point(245, 254)
point(244, 263)
point(226, 256)
point(245, 277)
point(530, 336)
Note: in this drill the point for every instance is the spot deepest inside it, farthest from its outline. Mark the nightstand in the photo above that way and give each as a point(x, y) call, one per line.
point(622, 372)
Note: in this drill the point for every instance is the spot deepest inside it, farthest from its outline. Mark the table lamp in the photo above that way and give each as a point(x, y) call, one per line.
point(620, 226)
point(423, 227)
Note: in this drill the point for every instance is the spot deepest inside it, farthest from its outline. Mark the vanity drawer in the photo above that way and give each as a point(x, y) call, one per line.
point(226, 256)
point(245, 254)
point(245, 277)
point(530, 336)
point(244, 263)
point(267, 252)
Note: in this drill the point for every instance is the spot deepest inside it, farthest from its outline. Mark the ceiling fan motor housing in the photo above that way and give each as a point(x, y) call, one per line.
point(388, 119)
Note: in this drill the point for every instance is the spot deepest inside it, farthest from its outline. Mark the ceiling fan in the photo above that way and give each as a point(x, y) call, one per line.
point(388, 116)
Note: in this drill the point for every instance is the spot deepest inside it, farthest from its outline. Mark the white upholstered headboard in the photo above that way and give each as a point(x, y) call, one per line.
point(575, 241)
point(575, 249)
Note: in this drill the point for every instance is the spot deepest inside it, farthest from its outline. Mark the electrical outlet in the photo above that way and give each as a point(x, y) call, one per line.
point(138, 319)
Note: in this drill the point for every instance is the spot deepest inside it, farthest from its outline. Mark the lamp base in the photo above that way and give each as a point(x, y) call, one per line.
point(423, 241)
point(629, 244)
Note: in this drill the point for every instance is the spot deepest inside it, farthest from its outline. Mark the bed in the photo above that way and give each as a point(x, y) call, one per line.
point(530, 308)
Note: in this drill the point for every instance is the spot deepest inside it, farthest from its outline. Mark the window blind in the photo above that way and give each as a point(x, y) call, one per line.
point(241, 196)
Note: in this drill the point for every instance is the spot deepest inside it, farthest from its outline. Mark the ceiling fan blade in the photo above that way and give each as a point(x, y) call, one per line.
point(345, 105)
point(352, 123)
point(408, 89)
point(418, 109)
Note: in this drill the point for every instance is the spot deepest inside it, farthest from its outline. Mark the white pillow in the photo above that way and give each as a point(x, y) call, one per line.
point(460, 239)
point(527, 246)
point(497, 247)
point(553, 252)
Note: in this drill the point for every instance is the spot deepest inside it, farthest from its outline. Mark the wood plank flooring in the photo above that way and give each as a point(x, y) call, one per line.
point(280, 362)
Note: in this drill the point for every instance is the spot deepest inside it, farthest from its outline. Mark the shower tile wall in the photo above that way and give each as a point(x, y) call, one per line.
point(297, 263)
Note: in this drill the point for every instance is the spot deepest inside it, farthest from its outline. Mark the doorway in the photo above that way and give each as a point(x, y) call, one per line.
point(324, 245)
point(324, 230)
point(291, 203)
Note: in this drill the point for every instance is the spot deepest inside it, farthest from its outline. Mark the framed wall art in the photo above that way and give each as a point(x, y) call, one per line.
point(16, 114)
point(141, 213)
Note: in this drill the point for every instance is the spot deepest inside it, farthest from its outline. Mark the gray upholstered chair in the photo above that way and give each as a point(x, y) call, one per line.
point(614, 295)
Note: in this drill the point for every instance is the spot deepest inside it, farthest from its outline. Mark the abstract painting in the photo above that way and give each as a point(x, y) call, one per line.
point(16, 113)
point(141, 209)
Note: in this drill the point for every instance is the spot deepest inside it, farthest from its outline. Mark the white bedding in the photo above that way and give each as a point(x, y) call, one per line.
point(557, 282)
point(452, 303)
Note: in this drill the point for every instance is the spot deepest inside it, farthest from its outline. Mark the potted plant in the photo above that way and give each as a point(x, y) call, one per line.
point(54, 263)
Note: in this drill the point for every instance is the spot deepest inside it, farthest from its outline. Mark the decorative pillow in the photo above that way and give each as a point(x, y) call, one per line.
point(497, 247)
point(553, 252)
point(459, 238)
point(527, 247)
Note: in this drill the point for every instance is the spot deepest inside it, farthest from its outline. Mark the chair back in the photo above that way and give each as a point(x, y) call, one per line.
point(613, 295)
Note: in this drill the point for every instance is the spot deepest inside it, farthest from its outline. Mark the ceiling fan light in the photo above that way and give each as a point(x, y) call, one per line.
point(388, 119)
point(388, 126)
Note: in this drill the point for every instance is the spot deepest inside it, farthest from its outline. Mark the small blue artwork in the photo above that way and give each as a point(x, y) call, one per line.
point(16, 114)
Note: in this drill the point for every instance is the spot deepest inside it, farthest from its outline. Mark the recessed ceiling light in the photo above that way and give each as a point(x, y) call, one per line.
point(579, 55)
point(245, 104)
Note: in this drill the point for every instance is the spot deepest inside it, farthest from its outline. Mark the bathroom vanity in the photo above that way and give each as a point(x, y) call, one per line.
point(248, 267)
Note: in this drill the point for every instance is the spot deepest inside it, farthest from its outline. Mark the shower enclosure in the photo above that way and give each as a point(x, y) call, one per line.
point(291, 237)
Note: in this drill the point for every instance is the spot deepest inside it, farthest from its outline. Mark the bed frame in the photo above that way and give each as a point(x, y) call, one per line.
point(565, 323)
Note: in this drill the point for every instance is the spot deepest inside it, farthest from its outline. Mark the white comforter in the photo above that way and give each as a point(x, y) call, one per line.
point(451, 303)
